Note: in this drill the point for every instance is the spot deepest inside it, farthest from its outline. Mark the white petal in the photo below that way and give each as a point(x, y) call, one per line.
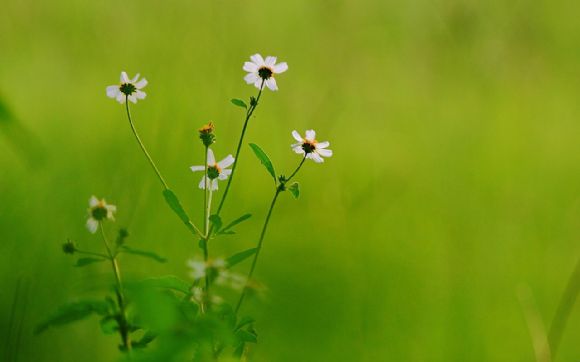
point(112, 91)
point(140, 94)
point(227, 171)
point(280, 68)
point(210, 157)
point(141, 84)
point(270, 61)
point(297, 136)
point(322, 144)
point(92, 225)
point(316, 157)
point(258, 83)
point(251, 78)
point(271, 83)
point(121, 98)
point(324, 152)
point(214, 185)
point(135, 78)
point(202, 183)
point(310, 135)
point(93, 201)
point(132, 98)
point(298, 149)
point(257, 59)
point(226, 162)
point(250, 67)
point(222, 176)
point(111, 208)
point(124, 78)
point(197, 168)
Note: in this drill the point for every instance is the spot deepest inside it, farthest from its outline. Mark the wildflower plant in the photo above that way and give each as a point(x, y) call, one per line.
point(208, 323)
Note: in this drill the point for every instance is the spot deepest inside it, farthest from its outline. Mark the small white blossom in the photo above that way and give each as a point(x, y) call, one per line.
point(263, 71)
point(197, 269)
point(99, 210)
point(127, 88)
point(215, 170)
point(308, 145)
point(232, 280)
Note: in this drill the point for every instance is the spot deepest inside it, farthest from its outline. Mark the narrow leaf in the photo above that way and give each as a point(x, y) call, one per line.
point(235, 222)
point(239, 103)
point(216, 221)
point(73, 312)
point(175, 205)
point(147, 338)
point(87, 261)
point(264, 159)
point(295, 190)
point(246, 336)
point(147, 254)
point(239, 257)
point(244, 321)
point(168, 282)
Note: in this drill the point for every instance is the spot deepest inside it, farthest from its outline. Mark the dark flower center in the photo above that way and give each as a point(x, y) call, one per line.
point(213, 172)
point(265, 73)
point(99, 213)
point(308, 147)
point(127, 88)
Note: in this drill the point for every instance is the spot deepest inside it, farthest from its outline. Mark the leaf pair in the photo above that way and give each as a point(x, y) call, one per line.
point(265, 160)
point(227, 230)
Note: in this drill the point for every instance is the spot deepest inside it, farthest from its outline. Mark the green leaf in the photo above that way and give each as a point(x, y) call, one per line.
point(246, 336)
point(216, 221)
point(87, 261)
point(242, 218)
point(168, 282)
point(239, 103)
point(239, 257)
point(147, 338)
point(264, 159)
point(244, 321)
point(295, 190)
point(175, 205)
point(72, 312)
point(109, 325)
point(147, 254)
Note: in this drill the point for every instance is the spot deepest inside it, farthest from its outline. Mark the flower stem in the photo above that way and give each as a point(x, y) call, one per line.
point(258, 249)
point(249, 113)
point(142, 145)
point(297, 169)
point(124, 324)
point(564, 310)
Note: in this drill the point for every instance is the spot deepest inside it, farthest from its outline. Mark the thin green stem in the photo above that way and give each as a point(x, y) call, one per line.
point(249, 113)
point(124, 324)
point(564, 309)
point(258, 249)
point(142, 145)
point(297, 169)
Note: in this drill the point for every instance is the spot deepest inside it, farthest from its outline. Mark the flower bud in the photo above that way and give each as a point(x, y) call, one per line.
point(69, 247)
point(206, 134)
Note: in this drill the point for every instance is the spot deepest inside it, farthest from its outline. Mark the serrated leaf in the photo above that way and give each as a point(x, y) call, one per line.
point(239, 257)
point(109, 325)
point(295, 190)
point(264, 159)
point(72, 312)
point(226, 230)
point(175, 205)
point(239, 103)
point(216, 221)
point(86, 261)
point(147, 254)
point(168, 282)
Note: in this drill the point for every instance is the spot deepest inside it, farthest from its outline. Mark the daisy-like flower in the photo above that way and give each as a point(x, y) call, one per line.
point(215, 170)
point(200, 268)
point(260, 70)
point(99, 211)
point(130, 88)
point(310, 147)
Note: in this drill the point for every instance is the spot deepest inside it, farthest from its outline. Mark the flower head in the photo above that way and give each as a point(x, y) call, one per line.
point(200, 268)
point(206, 134)
point(310, 147)
point(99, 211)
point(69, 247)
point(127, 88)
point(261, 72)
point(215, 170)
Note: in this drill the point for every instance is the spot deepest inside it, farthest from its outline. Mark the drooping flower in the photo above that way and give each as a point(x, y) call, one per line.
point(99, 211)
point(127, 88)
point(310, 147)
point(261, 72)
point(215, 170)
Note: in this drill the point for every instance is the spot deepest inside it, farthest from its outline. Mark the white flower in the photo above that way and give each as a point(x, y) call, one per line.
point(197, 269)
point(260, 70)
point(99, 210)
point(130, 88)
point(310, 146)
point(215, 170)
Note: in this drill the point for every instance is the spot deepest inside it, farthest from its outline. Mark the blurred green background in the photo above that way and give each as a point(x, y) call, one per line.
point(455, 179)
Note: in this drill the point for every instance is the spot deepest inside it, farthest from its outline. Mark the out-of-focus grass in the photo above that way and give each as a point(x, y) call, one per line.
point(455, 176)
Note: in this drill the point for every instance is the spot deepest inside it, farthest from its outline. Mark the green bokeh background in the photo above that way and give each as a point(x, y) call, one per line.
point(455, 179)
